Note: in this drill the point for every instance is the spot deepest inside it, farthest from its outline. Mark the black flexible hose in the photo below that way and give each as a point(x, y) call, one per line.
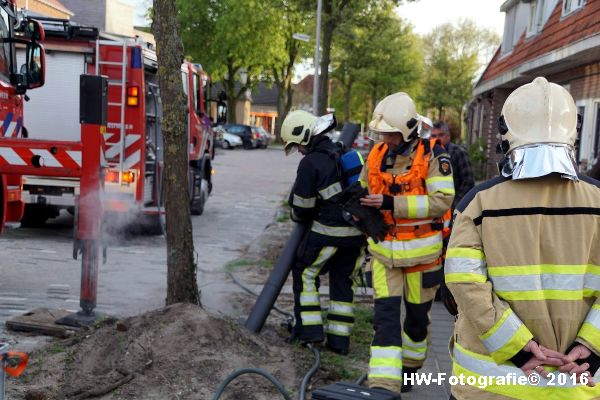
point(257, 371)
point(310, 372)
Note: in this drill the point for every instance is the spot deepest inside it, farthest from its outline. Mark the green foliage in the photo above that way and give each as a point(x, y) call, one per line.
point(454, 53)
point(375, 54)
point(477, 155)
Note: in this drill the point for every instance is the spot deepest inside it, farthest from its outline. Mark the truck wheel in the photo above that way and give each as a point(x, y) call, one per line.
point(200, 190)
point(35, 216)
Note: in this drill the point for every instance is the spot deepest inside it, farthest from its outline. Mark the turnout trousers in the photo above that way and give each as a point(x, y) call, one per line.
point(395, 345)
point(341, 263)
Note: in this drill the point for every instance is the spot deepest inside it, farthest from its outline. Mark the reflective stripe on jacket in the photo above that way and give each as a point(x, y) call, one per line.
point(523, 262)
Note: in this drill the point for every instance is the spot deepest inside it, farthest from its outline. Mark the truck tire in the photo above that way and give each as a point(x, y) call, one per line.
point(35, 216)
point(200, 190)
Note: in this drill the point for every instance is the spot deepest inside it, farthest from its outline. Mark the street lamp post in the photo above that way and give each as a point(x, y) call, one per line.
point(317, 45)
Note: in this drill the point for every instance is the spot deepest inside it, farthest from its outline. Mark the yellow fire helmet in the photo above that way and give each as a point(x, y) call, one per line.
point(299, 126)
point(538, 128)
point(540, 112)
point(396, 113)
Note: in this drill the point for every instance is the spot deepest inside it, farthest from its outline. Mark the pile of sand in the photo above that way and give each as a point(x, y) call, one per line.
point(178, 352)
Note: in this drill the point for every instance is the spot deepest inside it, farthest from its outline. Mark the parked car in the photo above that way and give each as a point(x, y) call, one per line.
point(230, 141)
point(249, 139)
point(265, 137)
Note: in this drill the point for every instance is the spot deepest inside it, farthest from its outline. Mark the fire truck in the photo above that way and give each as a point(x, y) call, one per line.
point(81, 159)
point(134, 150)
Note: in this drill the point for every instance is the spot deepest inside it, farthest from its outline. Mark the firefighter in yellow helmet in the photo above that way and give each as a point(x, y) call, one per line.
point(333, 244)
point(410, 182)
point(523, 262)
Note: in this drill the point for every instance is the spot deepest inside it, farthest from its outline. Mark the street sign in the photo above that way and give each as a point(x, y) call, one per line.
point(301, 36)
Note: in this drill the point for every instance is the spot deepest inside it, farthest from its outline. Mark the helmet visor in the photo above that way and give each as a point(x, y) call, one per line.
point(290, 148)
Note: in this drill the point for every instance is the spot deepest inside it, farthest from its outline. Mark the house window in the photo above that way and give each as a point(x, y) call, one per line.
point(597, 132)
point(509, 30)
point(570, 6)
point(581, 112)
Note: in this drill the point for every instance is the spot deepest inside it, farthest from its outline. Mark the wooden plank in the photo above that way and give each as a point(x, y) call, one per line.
point(40, 321)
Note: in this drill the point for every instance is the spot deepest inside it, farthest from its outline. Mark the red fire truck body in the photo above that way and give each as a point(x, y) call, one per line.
point(133, 139)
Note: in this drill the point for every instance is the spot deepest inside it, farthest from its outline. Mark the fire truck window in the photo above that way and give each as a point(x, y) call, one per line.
point(184, 79)
point(196, 83)
point(206, 95)
point(5, 47)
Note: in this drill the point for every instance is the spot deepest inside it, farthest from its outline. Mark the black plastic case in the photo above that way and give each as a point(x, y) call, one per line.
point(349, 391)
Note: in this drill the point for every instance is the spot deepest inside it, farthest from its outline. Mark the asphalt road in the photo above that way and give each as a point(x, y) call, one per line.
point(36, 268)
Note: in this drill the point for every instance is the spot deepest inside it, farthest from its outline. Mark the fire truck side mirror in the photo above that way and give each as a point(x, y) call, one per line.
point(31, 29)
point(34, 70)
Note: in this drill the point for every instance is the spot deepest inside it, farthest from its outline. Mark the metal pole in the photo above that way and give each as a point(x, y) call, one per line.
point(317, 45)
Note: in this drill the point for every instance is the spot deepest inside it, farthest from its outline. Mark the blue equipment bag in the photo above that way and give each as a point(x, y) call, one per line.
point(352, 163)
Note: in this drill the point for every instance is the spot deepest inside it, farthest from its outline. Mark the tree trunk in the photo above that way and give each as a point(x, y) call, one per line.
point(329, 27)
point(281, 112)
point(229, 85)
point(182, 286)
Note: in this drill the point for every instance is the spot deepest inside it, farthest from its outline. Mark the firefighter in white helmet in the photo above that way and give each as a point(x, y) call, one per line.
point(332, 245)
point(523, 262)
point(410, 181)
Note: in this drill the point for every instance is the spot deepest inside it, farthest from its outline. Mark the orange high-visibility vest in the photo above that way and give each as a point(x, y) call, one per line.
point(410, 183)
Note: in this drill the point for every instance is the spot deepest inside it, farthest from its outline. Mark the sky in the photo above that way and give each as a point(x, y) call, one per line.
point(426, 14)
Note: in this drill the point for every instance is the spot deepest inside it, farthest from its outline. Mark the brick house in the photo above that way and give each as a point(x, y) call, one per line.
point(557, 39)
point(48, 8)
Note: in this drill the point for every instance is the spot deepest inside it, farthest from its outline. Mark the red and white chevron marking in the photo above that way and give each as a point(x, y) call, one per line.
point(42, 157)
point(133, 151)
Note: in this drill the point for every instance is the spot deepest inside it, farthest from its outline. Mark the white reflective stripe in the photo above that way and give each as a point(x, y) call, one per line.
point(75, 156)
point(438, 184)
point(308, 298)
point(310, 273)
point(132, 160)
point(301, 202)
point(48, 160)
point(447, 223)
point(338, 329)
point(341, 309)
point(422, 206)
point(503, 334)
point(414, 355)
point(335, 231)
point(330, 191)
point(421, 222)
point(483, 367)
point(311, 317)
point(412, 244)
point(389, 372)
point(465, 265)
point(525, 283)
point(11, 156)
point(408, 342)
point(593, 318)
point(386, 352)
point(115, 148)
point(10, 131)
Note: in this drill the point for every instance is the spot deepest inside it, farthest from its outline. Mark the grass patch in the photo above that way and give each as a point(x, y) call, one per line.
point(283, 218)
point(240, 263)
point(56, 349)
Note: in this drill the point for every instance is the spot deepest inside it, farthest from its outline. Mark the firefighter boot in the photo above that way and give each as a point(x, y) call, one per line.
point(408, 371)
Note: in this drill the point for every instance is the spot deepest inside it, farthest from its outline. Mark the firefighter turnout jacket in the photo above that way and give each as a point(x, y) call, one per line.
point(319, 179)
point(523, 263)
point(416, 180)
point(419, 177)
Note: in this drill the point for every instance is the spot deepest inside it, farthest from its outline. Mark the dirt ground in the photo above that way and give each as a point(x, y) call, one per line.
point(182, 352)
point(179, 352)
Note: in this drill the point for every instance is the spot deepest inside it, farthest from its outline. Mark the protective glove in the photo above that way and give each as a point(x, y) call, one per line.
point(370, 220)
point(448, 299)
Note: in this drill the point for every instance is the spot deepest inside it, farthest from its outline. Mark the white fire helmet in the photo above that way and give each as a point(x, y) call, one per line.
point(540, 112)
point(538, 127)
point(396, 113)
point(299, 126)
